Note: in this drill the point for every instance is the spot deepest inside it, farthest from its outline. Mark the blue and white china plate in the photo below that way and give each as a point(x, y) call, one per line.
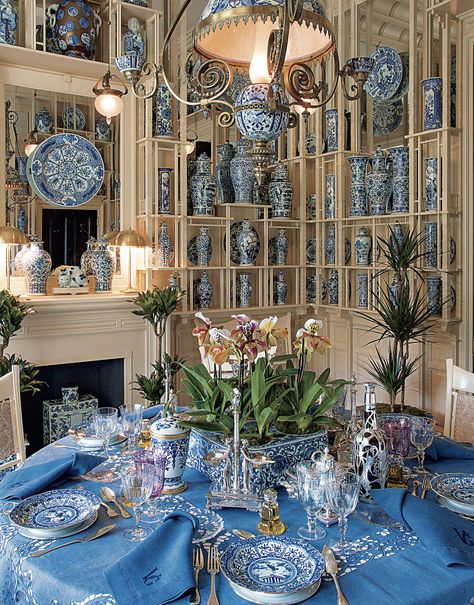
point(254, 246)
point(73, 118)
point(262, 598)
point(41, 534)
point(90, 439)
point(455, 508)
point(209, 522)
point(66, 170)
point(191, 251)
point(272, 566)
point(387, 117)
point(386, 75)
point(55, 510)
point(456, 488)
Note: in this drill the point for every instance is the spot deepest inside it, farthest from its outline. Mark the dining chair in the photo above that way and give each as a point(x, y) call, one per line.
point(459, 411)
point(12, 441)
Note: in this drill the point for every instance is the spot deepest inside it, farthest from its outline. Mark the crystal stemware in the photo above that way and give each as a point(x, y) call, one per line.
point(137, 486)
point(422, 435)
point(131, 415)
point(151, 511)
point(311, 492)
point(105, 422)
point(397, 431)
point(343, 494)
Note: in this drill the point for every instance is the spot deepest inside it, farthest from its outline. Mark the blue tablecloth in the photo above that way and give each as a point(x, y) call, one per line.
point(381, 566)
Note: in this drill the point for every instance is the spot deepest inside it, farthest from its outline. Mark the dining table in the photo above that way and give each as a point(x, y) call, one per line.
point(381, 564)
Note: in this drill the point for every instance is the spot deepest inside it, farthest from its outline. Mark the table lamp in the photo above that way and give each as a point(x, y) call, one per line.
point(9, 236)
point(129, 239)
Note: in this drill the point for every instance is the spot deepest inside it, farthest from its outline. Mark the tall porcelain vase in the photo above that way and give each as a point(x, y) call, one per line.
point(400, 161)
point(379, 183)
point(358, 164)
point(102, 265)
point(242, 173)
point(37, 266)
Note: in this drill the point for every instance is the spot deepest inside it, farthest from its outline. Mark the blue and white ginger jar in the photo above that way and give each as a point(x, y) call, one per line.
point(311, 201)
point(43, 121)
point(86, 257)
point(311, 289)
point(242, 173)
point(102, 129)
point(280, 192)
point(171, 440)
point(203, 187)
point(363, 247)
point(102, 265)
point(165, 249)
point(36, 264)
point(225, 188)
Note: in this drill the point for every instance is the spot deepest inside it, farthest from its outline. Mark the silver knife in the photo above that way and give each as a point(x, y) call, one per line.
point(331, 569)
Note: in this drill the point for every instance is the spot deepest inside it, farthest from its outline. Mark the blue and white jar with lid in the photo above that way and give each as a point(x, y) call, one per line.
point(171, 440)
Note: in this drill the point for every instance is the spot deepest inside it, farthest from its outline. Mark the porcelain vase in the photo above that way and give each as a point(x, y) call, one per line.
point(76, 27)
point(363, 247)
point(431, 183)
point(330, 246)
point(242, 173)
point(171, 440)
point(331, 129)
point(102, 129)
point(434, 288)
point(86, 257)
point(8, 22)
point(379, 183)
point(433, 107)
point(430, 245)
point(333, 287)
point(203, 247)
point(103, 266)
point(37, 266)
point(280, 289)
point(165, 249)
point(162, 112)
point(362, 290)
point(244, 290)
point(164, 191)
point(281, 248)
point(21, 219)
point(225, 188)
point(311, 251)
point(358, 165)
point(393, 291)
point(204, 292)
point(311, 207)
point(203, 187)
point(400, 163)
point(310, 144)
point(247, 243)
point(43, 121)
point(330, 196)
point(311, 288)
point(280, 192)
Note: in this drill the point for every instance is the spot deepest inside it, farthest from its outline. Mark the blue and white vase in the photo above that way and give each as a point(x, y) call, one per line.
point(400, 160)
point(102, 266)
point(76, 27)
point(203, 187)
point(133, 42)
point(260, 195)
point(333, 287)
point(204, 292)
point(86, 257)
point(21, 219)
point(430, 245)
point(225, 188)
point(164, 191)
point(311, 207)
point(242, 173)
point(433, 108)
point(330, 196)
point(70, 394)
point(165, 249)
point(247, 243)
point(311, 251)
point(310, 144)
point(162, 112)
point(362, 290)
point(363, 247)
point(102, 129)
point(173, 283)
point(280, 289)
point(8, 22)
point(280, 191)
point(330, 247)
point(281, 248)
point(379, 182)
point(36, 264)
point(393, 291)
point(431, 183)
point(400, 164)
point(358, 164)
point(171, 440)
point(453, 91)
point(331, 129)
point(43, 121)
point(311, 288)
point(203, 247)
point(244, 290)
point(397, 234)
point(434, 287)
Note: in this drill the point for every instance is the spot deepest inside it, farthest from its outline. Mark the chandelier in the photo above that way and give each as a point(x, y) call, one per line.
point(287, 46)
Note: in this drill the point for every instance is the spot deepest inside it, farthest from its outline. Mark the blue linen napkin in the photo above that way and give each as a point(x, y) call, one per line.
point(159, 570)
point(34, 478)
point(444, 533)
point(443, 447)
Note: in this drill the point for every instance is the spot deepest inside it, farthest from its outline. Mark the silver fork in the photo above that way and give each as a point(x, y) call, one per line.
point(198, 564)
point(425, 487)
point(213, 567)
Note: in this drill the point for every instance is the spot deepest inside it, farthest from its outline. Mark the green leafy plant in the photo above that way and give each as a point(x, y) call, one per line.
point(152, 387)
point(28, 373)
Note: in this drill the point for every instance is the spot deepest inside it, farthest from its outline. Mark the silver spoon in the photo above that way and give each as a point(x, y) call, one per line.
point(108, 494)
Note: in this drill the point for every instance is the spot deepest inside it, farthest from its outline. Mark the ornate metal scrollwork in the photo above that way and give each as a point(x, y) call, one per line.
point(300, 81)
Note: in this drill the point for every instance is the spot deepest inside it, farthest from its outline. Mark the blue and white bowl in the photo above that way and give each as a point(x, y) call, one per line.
point(129, 63)
point(456, 490)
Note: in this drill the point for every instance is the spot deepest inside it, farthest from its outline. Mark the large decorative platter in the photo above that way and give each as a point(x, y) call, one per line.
point(191, 250)
point(387, 117)
point(66, 170)
point(386, 75)
point(253, 245)
point(87, 438)
point(55, 510)
point(457, 488)
point(272, 566)
point(405, 85)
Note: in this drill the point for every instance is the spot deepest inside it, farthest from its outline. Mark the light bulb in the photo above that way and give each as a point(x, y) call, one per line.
point(258, 70)
point(108, 104)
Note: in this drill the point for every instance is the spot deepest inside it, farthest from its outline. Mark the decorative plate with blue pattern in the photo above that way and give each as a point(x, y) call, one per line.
point(74, 118)
point(66, 170)
point(455, 487)
point(56, 509)
point(272, 565)
point(386, 75)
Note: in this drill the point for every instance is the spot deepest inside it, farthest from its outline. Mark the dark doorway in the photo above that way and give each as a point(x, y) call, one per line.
point(65, 233)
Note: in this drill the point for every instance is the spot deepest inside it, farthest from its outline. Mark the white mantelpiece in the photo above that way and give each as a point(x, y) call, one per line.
point(80, 328)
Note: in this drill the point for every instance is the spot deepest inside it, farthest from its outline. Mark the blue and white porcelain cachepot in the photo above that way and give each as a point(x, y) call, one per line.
point(102, 129)
point(86, 256)
point(165, 250)
point(76, 27)
point(333, 287)
point(162, 112)
point(204, 291)
point(242, 173)
point(280, 289)
point(330, 196)
point(400, 165)
point(70, 394)
point(164, 190)
point(225, 188)
point(247, 244)
point(431, 183)
point(43, 121)
point(8, 22)
point(330, 246)
point(203, 187)
point(379, 182)
point(244, 290)
point(102, 266)
point(358, 164)
point(430, 245)
point(171, 439)
point(433, 108)
point(434, 286)
point(331, 129)
point(311, 207)
point(363, 247)
point(362, 290)
point(311, 288)
point(280, 191)
point(281, 248)
point(36, 264)
point(203, 247)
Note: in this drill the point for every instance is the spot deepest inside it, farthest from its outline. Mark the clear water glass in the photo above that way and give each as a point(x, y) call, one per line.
point(311, 493)
point(131, 416)
point(422, 435)
point(137, 486)
point(151, 511)
point(106, 426)
point(343, 494)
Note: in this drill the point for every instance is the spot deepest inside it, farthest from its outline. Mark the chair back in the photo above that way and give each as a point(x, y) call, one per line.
point(12, 438)
point(459, 411)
